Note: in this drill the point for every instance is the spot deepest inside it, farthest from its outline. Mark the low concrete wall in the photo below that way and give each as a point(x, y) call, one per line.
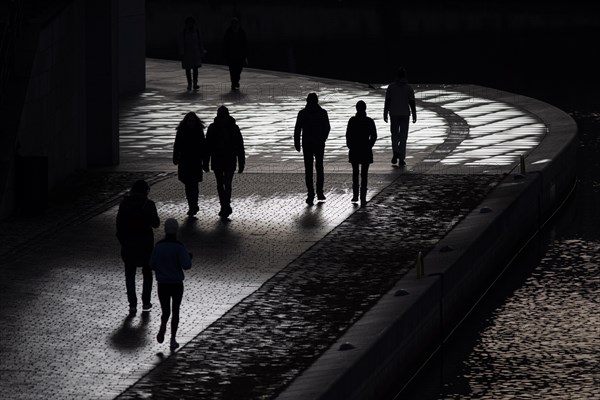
point(397, 335)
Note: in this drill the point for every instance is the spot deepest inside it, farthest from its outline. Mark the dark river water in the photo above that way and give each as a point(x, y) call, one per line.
point(536, 334)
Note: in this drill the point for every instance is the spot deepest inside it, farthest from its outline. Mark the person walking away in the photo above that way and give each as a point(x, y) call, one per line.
point(190, 156)
point(310, 133)
point(226, 153)
point(169, 259)
point(399, 104)
point(361, 135)
point(191, 51)
point(136, 218)
point(235, 49)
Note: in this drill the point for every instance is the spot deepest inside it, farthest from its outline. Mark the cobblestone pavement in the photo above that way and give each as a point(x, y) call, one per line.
point(65, 332)
point(263, 342)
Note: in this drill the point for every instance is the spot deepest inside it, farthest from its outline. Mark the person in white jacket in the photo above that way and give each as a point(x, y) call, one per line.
point(169, 259)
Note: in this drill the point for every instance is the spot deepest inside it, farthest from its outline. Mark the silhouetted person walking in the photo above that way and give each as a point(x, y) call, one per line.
point(191, 51)
point(361, 135)
point(312, 129)
point(191, 157)
point(399, 103)
point(226, 151)
point(169, 259)
point(235, 49)
point(136, 218)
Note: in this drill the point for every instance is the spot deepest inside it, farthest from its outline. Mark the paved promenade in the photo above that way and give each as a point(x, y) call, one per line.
point(277, 284)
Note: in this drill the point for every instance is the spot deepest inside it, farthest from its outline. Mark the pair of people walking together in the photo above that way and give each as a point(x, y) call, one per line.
point(136, 219)
point(222, 150)
point(310, 134)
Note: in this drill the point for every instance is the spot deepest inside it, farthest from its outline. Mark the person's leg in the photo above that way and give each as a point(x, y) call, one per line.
point(394, 130)
point(355, 187)
point(188, 75)
point(130, 270)
point(237, 72)
point(364, 173)
point(227, 189)
point(164, 297)
point(196, 87)
point(147, 287)
point(177, 293)
point(308, 174)
point(220, 178)
point(191, 194)
point(232, 74)
point(402, 137)
point(319, 154)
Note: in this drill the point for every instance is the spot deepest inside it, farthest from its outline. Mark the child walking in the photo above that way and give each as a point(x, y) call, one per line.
point(169, 259)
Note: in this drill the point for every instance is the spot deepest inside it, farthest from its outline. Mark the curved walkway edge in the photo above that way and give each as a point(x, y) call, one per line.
point(408, 324)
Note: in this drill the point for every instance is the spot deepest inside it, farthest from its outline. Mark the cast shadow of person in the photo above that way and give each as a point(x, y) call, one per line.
point(129, 337)
point(312, 217)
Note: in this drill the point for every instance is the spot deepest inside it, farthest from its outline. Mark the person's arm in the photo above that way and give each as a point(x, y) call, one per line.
point(327, 126)
point(386, 105)
point(241, 152)
point(297, 131)
point(348, 133)
point(413, 106)
point(153, 215)
point(184, 258)
point(176, 149)
point(373, 136)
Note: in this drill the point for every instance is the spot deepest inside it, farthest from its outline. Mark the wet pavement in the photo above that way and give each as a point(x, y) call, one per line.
point(65, 330)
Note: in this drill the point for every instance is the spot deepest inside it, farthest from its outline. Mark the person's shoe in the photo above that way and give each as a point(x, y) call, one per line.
point(160, 336)
point(147, 307)
point(228, 211)
point(394, 160)
point(354, 199)
point(132, 310)
point(196, 87)
point(363, 203)
point(189, 87)
point(321, 196)
point(174, 344)
point(310, 199)
point(193, 210)
point(402, 163)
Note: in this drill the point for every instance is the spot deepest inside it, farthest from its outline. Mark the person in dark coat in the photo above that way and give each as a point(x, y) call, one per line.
point(399, 104)
point(235, 49)
point(226, 152)
point(169, 259)
point(190, 156)
point(361, 135)
point(312, 129)
point(136, 218)
point(191, 51)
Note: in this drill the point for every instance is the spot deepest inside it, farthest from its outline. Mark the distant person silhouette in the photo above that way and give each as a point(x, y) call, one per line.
point(191, 51)
point(235, 49)
point(136, 218)
point(312, 129)
point(399, 104)
point(361, 135)
point(226, 151)
point(169, 259)
point(191, 157)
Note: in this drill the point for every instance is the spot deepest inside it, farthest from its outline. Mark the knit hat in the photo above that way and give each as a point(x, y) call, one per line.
point(171, 226)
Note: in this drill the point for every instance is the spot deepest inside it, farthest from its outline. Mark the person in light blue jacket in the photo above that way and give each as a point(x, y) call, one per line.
point(169, 259)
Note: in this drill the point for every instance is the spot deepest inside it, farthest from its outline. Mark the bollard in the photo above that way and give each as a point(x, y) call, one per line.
point(522, 164)
point(420, 266)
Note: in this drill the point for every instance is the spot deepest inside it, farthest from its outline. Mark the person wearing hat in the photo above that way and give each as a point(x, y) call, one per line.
point(169, 259)
point(312, 129)
point(136, 218)
point(226, 153)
